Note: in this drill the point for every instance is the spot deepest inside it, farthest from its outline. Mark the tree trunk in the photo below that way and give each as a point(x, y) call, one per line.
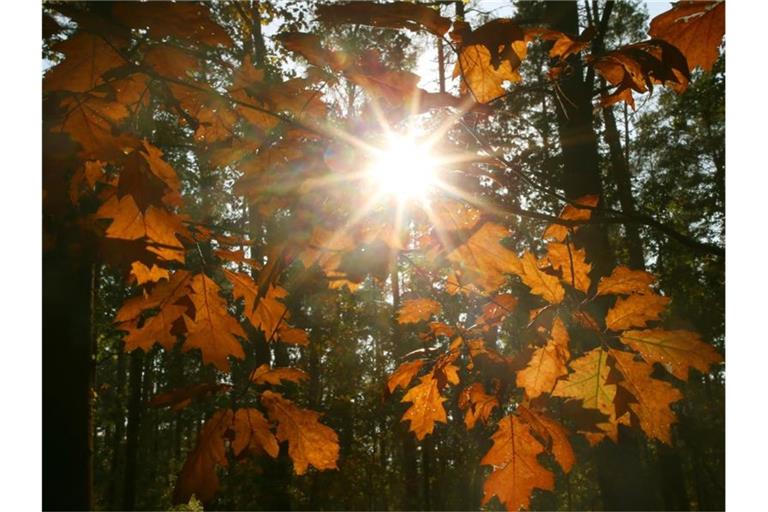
point(132, 430)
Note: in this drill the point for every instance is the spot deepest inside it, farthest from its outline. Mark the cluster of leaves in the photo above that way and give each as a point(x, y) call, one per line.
point(153, 57)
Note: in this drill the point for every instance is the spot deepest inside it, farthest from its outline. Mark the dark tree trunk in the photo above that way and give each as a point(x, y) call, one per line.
point(117, 436)
point(132, 430)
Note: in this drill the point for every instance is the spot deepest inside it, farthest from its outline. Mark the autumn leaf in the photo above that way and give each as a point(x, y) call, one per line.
point(652, 397)
point(275, 376)
point(485, 258)
point(198, 475)
point(177, 399)
point(547, 363)
point(553, 435)
point(155, 329)
point(427, 407)
point(185, 20)
point(161, 295)
point(404, 374)
point(252, 434)
point(309, 441)
point(544, 285)
point(695, 28)
point(86, 58)
point(589, 382)
point(571, 262)
point(559, 232)
point(496, 310)
point(635, 311)
point(416, 310)
point(90, 122)
point(477, 404)
point(145, 274)
point(391, 15)
point(625, 281)
point(212, 330)
point(677, 351)
point(516, 469)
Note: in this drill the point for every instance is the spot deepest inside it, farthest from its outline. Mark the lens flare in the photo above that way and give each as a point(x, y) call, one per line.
point(403, 169)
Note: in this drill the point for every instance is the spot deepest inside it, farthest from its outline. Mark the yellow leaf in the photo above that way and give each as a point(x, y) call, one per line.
point(544, 285)
point(625, 281)
point(635, 311)
point(547, 363)
point(677, 351)
point(485, 259)
point(427, 407)
point(558, 232)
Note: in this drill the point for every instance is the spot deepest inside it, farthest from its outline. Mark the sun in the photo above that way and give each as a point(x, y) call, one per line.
point(404, 169)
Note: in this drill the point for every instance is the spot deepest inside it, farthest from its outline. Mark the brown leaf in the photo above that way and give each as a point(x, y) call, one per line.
point(416, 310)
point(404, 374)
point(427, 407)
point(652, 396)
point(161, 295)
point(392, 15)
point(178, 399)
point(87, 58)
point(266, 375)
point(695, 28)
point(478, 405)
point(677, 351)
point(547, 363)
point(198, 475)
point(516, 469)
point(309, 441)
point(90, 122)
point(212, 330)
point(252, 434)
point(156, 329)
point(625, 281)
point(635, 311)
point(183, 20)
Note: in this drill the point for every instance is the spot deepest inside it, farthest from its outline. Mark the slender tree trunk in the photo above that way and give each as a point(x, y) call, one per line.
point(111, 498)
point(132, 430)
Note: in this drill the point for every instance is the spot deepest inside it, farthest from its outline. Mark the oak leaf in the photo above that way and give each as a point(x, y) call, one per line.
point(266, 375)
point(635, 311)
point(161, 295)
point(542, 284)
point(416, 310)
point(677, 351)
point(485, 259)
point(547, 364)
point(392, 15)
point(155, 329)
point(553, 435)
point(178, 399)
point(309, 441)
point(516, 469)
point(695, 28)
point(252, 434)
point(90, 122)
point(427, 406)
point(589, 382)
point(183, 20)
point(571, 262)
point(477, 404)
point(559, 232)
point(625, 281)
point(87, 58)
point(198, 475)
point(212, 329)
point(145, 274)
point(404, 374)
point(652, 397)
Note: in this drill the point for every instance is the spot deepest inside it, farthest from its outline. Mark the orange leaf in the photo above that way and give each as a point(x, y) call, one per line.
point(157, 328)
point(252, 434)
point(183, 20)
point(635, 311)
point(212, 330)
point(266, 375)
point(589, 382)
point(516, 469)
point(144, 274)
point(544, 285)
point(198, 475)
point(695, 28)
point(178, 399)
point(572, 264)
point(677, 351)
point(427, 407)
point(485, 259)
point(392, 15)
point(404, 374)
point(558, 232)
point(552, 433)
point(415, 310)
point(547, 363)
point(625, 281)
point(477, 403)
point(652, 396)
point(87, 58)
point(161, 295)
point(309, 441)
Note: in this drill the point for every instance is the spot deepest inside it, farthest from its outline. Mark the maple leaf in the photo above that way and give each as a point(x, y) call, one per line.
point(635, 311)
point(90, 122)
point(558, 232)
point(478, 405)
point(571, 262)
point(695, 28)
point(652, 397)
point(392, 15)
point(485, 258)
point(416, 310)
point(427, 406)
point(547, 363)
point(404, 374)
point(266, 375)
point(552, 433)
point(516, 470)
point(677, 351)
point(212, 330)
point(178, 399)
point(625, 281)
point(544, 285)
point(252, 434)
point(309, 441)
point(87, 58)
point(198, 475)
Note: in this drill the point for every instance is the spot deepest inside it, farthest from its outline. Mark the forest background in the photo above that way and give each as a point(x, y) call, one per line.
point(22, 239)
